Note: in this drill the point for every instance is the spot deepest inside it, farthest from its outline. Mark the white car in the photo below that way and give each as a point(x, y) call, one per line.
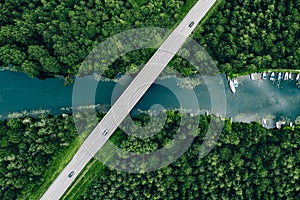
point(71, 174)
point(105, 132)
point(191, 24)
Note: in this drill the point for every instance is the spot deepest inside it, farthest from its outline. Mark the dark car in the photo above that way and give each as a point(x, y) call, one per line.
point(191, 24)
point(71, 174)
point(105, 132)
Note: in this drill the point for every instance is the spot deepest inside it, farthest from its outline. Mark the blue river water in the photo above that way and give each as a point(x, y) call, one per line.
point(253, 100)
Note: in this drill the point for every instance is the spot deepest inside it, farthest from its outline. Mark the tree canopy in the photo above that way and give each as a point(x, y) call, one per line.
point(248, 162)
point(45, 38)
point(50, 38)
point(27, 146)
point(250, 36)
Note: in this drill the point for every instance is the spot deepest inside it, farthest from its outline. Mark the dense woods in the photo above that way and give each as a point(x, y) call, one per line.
point(27, 146)
point(253, 35)
point(249, 162)
point(44, 38)
point(47, 38)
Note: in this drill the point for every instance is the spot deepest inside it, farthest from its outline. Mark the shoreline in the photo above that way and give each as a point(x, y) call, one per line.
point(266, 70)
point(188, 83)
point(241, 118)
point(161, 77)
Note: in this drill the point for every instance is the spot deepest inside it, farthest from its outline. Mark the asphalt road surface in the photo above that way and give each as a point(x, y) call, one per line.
point(132, 94)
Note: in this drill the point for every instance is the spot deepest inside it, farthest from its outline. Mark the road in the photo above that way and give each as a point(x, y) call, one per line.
point(132, 94)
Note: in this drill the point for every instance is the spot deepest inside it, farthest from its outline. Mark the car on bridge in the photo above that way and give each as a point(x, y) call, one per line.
point(71, 174)
point(105, 132)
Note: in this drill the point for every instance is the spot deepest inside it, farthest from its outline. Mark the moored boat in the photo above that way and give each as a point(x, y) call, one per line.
point(235, 83)
point(231, 85)
point(286, 76)
point(279, 76)
point(272, 77)
point(264, 76)
point(297, 77)
point(290, 75)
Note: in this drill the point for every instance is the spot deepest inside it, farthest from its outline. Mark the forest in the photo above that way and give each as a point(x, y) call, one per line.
point(47, 38)
point(27, 148)
point(253, 35)
point(248, 162)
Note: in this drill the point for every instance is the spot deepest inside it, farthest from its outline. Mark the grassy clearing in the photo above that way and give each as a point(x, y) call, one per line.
point(60, 161)
point(90, 172)
point(84, 180)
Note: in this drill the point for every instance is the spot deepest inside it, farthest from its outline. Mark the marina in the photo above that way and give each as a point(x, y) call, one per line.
point(233, 83)
point(279, 82)
point(286, 76)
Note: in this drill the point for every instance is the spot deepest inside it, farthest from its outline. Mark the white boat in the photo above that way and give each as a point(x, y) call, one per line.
point(290, 75)
point(279, 76)
point(235, 83)
point(286, 76)
point(272, 77)
point(252, 77)
point(231, 85)
point(264, 76)
point(297, 77)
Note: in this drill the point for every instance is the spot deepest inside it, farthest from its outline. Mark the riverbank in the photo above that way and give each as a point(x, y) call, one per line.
point(64, 111)
point(21, 96)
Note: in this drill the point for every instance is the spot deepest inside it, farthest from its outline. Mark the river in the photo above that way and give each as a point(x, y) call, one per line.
point(253, 100)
